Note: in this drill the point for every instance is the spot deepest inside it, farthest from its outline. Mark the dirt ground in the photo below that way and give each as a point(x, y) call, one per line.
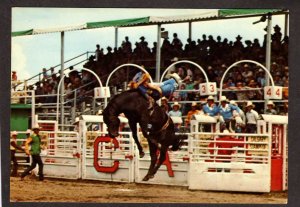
point(57, 190)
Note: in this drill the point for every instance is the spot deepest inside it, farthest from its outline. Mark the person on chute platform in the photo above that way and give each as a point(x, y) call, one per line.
point(154, 92)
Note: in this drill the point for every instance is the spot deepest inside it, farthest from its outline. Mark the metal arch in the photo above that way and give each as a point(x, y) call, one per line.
point(185, 61)
point(127, 64)
point(244, 61)
point(60, 81)
point(117, 68)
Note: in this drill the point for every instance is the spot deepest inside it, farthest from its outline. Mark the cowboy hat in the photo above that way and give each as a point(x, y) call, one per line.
point(36, 126)
point(223, 98)
point(249, 103)
point(28, 131)
point(99, 112)
point(176, 104)
point(176, 77)
point(76, 120)
point(14, 133)
point(175, 59)
point(164, 98)
point(210, 98)
point(238, 37)
point(194, 104)
point(270, 103)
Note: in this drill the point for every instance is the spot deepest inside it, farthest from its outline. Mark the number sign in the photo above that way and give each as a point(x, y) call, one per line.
point(209, 88)
point(273, 92)
point(102, 92)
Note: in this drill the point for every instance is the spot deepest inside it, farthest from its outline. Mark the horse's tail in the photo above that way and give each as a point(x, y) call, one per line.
point(179, 140)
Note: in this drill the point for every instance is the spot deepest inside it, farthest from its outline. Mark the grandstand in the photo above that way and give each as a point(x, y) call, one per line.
point(214, 55)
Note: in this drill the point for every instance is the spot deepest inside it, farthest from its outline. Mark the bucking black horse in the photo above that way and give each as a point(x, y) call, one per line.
point(156, 126)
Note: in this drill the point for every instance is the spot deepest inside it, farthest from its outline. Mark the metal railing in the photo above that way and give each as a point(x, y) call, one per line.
point(86, 54)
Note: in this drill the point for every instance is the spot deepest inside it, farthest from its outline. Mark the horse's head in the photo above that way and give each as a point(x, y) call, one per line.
point(112, 122)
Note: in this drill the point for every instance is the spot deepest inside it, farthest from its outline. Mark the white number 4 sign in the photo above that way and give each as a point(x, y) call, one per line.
point(273, 92)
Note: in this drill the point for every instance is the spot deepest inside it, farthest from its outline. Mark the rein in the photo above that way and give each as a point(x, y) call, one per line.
point(165, 125)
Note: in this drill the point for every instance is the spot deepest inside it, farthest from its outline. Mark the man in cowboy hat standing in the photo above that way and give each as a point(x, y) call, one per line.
point(226, 111)
point(210, 108)
point(270, 108)
point(13, 147)
point(175, 112)
point(35, 141)
point(251, 117)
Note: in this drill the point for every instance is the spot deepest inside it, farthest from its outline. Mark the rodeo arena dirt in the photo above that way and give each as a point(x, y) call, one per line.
point(211, 128)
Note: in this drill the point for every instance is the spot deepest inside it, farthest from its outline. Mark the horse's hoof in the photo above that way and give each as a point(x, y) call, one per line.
point(142, 154)
point(145, 178)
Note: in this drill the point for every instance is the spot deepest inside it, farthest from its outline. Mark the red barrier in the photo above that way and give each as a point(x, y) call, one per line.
point(98, 167)
point(276, 174)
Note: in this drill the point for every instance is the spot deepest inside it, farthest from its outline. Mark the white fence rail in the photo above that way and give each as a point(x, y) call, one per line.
point(230, 162)
point(108, 159)
point(207, 161)
point(62, 157)
point(173, 171)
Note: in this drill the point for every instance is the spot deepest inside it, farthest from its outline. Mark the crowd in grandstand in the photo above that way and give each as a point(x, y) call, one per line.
point(214, 55)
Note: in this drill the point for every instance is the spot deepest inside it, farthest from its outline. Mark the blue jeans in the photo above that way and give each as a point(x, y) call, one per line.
point(168, 87)
point(146, 91)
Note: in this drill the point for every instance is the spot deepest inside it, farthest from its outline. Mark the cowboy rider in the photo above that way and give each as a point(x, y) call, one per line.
point(152, 92)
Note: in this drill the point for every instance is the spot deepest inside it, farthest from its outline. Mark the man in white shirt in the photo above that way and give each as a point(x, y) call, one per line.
point(251, 117)
point(175, 112)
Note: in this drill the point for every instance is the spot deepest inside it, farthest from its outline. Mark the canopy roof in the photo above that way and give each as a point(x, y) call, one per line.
point(210, 14)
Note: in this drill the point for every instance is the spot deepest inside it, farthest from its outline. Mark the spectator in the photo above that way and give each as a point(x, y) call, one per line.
point(76, 124)
point(270, 108)
point(14, 76)
point(254, 94)
point(164, 104)
point(251, 118)
point(175, 110)
point(183, 94)
point(45, 74)
point(261, 79)
point(35, 141)
point(39, 91)
point(51, 98)
point(210, 108)
point(247, 74)
point(86, 77)
point(14, 79)
point(54, 81)
point(226, 113)
point(194, 110)
point(98, 53)
point(239, 118)
point(13, 147)
point(210, 74)
point(52, 71)
point(277, 79)
point(241, 95)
